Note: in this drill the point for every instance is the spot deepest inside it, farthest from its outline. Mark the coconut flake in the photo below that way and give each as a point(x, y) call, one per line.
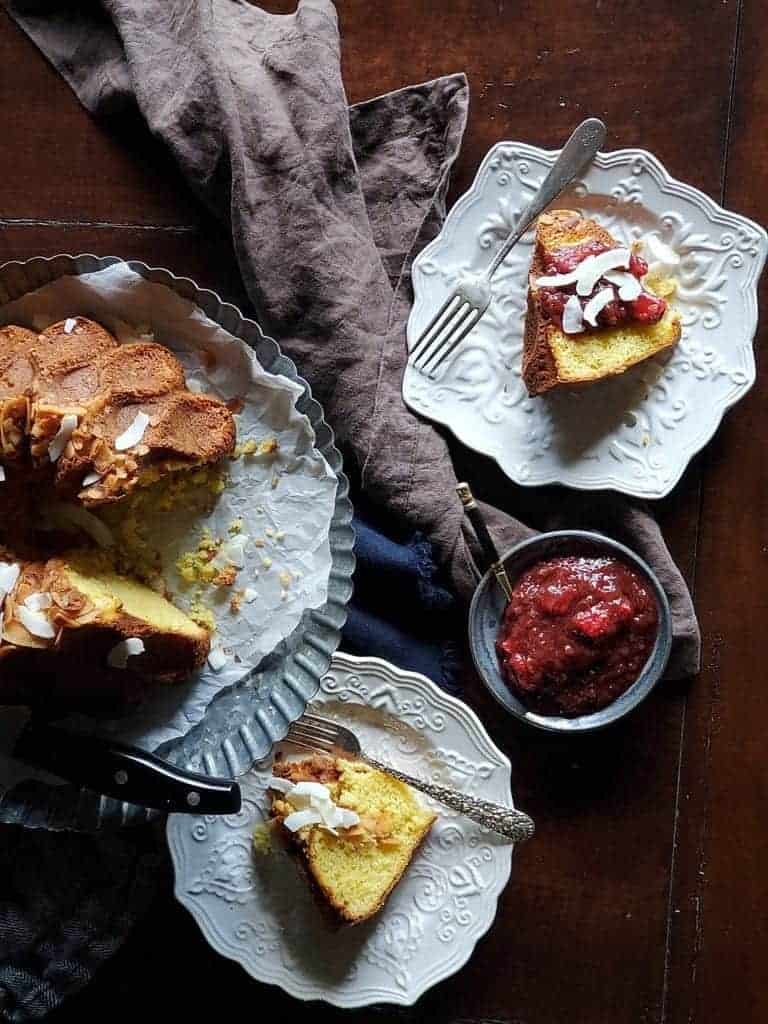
point(2, 474)
point(121, 652)
point(281, 785)
point(628, 285)
point(596, 304)
point(40, 601)
point(592, 268)
point(63, 434)
point(587, 273)
point(300, 819)
point(217, 659)
point(9, 574)
point(662, 254)
point(234, 551)
point(35, 623)
point(558, 280)
point(307, 794)
point(133, 435)
point(314, 806)
point(91, 478)
point(573, 319)
point(250, 595)
point(69, 325)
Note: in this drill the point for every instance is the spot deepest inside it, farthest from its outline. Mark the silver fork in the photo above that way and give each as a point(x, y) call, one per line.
point(462, 309)
point(312, 732)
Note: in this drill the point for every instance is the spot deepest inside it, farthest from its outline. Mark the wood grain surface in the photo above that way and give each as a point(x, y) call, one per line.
point(643, 897)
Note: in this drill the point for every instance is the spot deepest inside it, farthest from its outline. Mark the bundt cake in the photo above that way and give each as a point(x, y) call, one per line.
point(86, 421)
point(354, 830)
point(591, 311)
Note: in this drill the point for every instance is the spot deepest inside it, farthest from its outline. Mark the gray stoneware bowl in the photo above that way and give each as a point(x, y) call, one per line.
point(488, 606)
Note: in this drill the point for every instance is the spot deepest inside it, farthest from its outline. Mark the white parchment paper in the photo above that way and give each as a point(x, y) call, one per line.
point(285, 500)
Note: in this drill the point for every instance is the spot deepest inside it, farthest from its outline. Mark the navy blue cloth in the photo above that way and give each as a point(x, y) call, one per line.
point(400, 611)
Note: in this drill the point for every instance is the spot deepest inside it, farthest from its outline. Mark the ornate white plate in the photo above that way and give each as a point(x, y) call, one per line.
point(635, 433)
point(254, 908)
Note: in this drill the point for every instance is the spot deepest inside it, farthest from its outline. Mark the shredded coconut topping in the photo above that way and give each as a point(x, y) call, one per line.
point(63, 434)
point(133, 435)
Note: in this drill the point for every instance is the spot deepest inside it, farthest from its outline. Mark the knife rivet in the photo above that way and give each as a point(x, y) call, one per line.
point(193, 799)
point(121, 777)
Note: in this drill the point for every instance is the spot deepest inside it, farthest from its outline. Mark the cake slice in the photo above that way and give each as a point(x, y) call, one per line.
point(373, 825)
point(73, 618)
point(591, 311)
point(125, 443)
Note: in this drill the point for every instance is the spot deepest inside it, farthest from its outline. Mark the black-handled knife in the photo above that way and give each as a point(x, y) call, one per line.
point(124, 772)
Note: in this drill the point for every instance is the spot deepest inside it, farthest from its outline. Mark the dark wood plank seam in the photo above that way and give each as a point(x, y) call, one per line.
point(34, 222)
point(698, 899)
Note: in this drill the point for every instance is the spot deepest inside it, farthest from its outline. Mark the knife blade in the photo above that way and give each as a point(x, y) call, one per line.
point(110, 767)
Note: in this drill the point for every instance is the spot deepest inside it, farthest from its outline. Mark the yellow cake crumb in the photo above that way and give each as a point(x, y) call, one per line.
point(225, 577)
point(236, 601)
point(262, 840)
point(235, 527)
point(202, 615)
point(195, 566)
point(252, 447)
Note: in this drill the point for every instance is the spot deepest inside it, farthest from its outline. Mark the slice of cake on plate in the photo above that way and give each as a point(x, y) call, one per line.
point(592, 312)
point(354, 829)
point(70, 623)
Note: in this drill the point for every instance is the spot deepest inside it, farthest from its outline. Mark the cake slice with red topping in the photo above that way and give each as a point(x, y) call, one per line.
point(593, 311)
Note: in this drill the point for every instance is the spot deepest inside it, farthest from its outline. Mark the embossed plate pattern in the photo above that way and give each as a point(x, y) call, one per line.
point(255, 908)
point(635, 433)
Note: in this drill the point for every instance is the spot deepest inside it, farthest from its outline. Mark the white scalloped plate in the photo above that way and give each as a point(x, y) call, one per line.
point(635, 433)
point(255, 909)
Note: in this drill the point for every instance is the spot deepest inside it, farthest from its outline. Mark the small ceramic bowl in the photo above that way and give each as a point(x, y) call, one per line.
point(488, 606)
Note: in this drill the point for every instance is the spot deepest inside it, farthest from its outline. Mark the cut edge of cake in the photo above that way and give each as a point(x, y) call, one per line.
point(72, 615)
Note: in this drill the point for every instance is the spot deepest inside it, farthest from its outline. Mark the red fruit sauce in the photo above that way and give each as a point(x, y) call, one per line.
point(645, 309)
point(576, 634)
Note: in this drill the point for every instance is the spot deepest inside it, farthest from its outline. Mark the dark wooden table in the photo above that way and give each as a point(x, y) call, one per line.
point(643, 897)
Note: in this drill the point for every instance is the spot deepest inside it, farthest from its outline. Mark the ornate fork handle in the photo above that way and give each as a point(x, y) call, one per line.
point(506, 821)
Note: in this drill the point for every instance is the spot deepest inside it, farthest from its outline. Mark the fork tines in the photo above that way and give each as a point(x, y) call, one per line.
point(312, 732)
point(447, 329)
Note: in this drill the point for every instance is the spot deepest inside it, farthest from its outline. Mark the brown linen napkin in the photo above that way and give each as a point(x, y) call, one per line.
point(327, 206)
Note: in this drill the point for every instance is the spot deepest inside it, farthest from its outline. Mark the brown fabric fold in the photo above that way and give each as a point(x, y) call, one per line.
point(328, 206)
